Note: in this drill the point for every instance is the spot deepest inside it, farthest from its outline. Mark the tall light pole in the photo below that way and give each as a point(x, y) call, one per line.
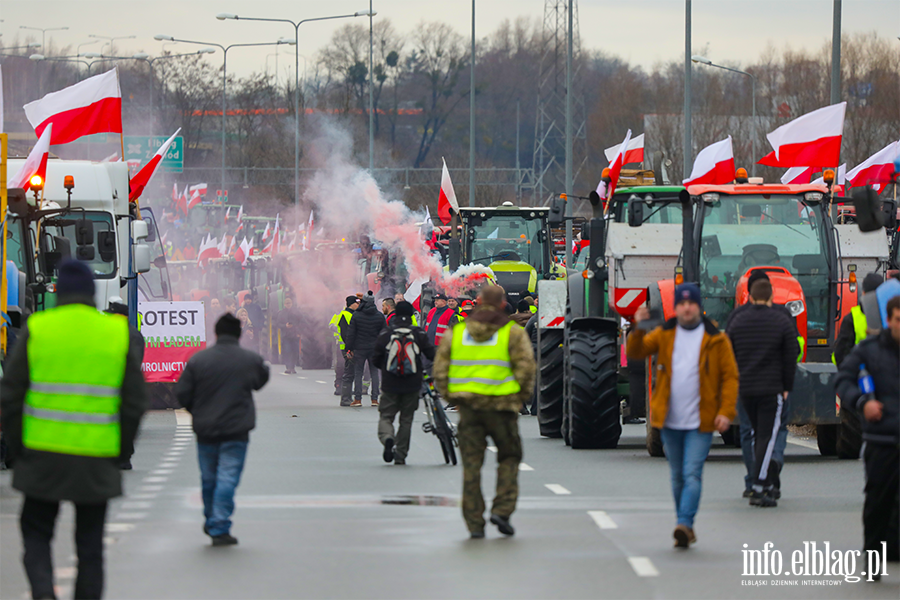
point(31, 46)
point(146, 58)
point(570, 183)
point(705, 61)
point(111, 39)
point(371, 94)
point(43, 31)
point(836, 54)
point(225, 50)
point(78, 47)
point(296, 26)
point(472, 116)
point(687, 149)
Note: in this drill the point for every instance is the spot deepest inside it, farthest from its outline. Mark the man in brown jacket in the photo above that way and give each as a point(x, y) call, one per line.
point(486, 367)
point(695, 394)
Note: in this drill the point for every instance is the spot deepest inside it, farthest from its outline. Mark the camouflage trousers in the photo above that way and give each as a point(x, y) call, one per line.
point(474, 428)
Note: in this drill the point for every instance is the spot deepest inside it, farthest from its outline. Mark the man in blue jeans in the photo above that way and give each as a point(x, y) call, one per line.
point(688, 403)
point(217, 388)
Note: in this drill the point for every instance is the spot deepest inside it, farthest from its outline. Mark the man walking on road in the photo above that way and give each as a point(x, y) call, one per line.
point(347, 371)
point(72, 398)
point(486, 367)
point(398, 353)
point(879, 355)
point(364, 328)
point(688, 402)
point(765, 348)
point(289, 328)
point(217, 388)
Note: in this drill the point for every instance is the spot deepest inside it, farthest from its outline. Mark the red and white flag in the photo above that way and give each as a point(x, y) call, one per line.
point(615, 167)
point(634, 153)
point(309, 230)
point(223, 246)
point(199, 188)
point(142, 178)
point(840, 176)
point(88, 107)
point(811, 139)
point(714, 165)
point(243, 251)
point(196, 199)
point(797, 175)
point(272, 246)
point(231, 246)
point(876, 170)
point(265, 234)
point(447, 197)
point(35, 164)
point(227, 213)
point(209, 249)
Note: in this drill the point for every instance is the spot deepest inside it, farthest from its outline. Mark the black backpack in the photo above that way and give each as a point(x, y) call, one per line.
point(402, 353)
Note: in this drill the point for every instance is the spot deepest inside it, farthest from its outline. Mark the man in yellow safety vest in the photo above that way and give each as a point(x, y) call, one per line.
point(72, 397)
point(486, 367)
point(854, 329)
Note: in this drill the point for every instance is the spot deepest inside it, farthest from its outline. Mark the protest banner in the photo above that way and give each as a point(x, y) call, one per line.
point(173, 332)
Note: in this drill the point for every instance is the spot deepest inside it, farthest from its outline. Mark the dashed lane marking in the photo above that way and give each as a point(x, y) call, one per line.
point(162, 472)
point(643, 566)
point(524, 467)
point(299, 377)
point(131, 516)
point(135, 505)
point(317, 381)
point(603, 520)
point(150, 488)
point(492, 448)
point(119, 527)
point(141, 496)
point(155, 479)
point(557, 489)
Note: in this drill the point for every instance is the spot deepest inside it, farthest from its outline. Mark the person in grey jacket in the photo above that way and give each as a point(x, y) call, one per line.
point(217, 388)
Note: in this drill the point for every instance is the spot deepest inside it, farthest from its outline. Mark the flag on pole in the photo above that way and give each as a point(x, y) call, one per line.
point(811, 139)
point(615, 167)
point(714, 165)
point(35, 164)
point(243, 252)
point(142, 178)
point(634, 153)
point(272, 246)
point(309, 230)
point(209, 249)
point(427, 225)
point(196, 199)
point(447, 198)
point(200, 188)
point(797, 175)
point(265, 234)
point(227, 213)
point(876, 170)
point(88, 107)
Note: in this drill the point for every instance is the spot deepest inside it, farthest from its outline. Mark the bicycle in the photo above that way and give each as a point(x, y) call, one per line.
point(438, 423)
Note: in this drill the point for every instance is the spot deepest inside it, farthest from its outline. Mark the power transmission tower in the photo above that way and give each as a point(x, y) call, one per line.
point(550, 123)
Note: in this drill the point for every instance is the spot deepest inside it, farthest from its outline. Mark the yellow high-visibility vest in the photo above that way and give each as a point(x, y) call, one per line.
point(860, 327)
point(76, 365)
point(482, 367)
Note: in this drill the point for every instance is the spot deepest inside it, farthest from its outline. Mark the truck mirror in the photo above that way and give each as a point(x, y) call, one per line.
point(141, 258)
point(635, 211)
point(106, 242)
point(139, 231)
point(594, 197)
point(889, 209)
point(557, 212)
point(84, 253)
point(17, 202)
point(869, 215)
point(84, 232)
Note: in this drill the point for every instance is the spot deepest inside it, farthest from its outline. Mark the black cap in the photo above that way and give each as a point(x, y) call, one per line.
point(871, 282)
point(439, 297)
point(404, 309)
point(75, 279)
point(351, 300)
point(228, 324)
point(523, 306)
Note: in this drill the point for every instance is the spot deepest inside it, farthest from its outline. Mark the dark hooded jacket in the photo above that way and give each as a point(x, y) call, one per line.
point(881, 355)
point(366, 324)
point(392, 383)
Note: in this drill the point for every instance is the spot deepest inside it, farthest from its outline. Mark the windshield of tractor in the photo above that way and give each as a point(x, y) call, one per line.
point(506, 237)
point(16, 249)
point(740, 232)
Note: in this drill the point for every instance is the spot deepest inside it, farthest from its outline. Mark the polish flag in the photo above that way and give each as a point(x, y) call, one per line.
point(812, 139)
point(634, 153)
point(447, 197)
point(615, 167)
point(209, 249)
point(272, 246)
point(231, 246)
point(35, 164)
point(265, 234)
point(142, 178)
point(840, 176)
point(309, 231)
point(877, 170)
point(196, 199)
point(227, 213)
point(222, 247)
point(714, 165)
point(797, 175)
point(91, 106)
point(200, 188)
point(243, 252)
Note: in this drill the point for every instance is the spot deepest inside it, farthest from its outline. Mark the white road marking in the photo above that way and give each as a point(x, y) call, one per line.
point(135, 505)
point(793, 439)
point(557, 489)
point(602, 519)
point(119, 527)
point(492, 448)
point(184, 436)
point(524, 467)
point(168, 465)
point(317, 381)
point(183, 417)
point(150, 488)
point(155, 479)
point(141, 496)
point(643, 566)
point(161, 472)
point(132, 516)
point(299, 377)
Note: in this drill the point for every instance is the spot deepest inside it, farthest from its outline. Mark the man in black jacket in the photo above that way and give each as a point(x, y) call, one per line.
point(289, 328)
point(366, 324)
point(399, 393)
point(765, 348)
point(217, 388)
point(853, 326)
point(881, 428)
point(48, 477)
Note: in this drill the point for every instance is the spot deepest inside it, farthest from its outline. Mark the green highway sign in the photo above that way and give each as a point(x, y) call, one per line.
point(143, 147)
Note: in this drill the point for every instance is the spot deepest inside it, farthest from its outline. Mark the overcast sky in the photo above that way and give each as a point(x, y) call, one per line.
point(641, 31)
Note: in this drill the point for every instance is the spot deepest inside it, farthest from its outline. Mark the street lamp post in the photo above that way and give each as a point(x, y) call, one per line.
point(111, 39)
point(471, 118)
point(30, 46)
point(705, 61)
point(296, 26)
point(78, 47)
point(43, 31)
point(371, 95)
point(225, 50)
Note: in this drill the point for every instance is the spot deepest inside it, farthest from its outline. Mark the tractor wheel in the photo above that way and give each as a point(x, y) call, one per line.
point(826, 439)
point(550, 409)
point(849, 439)
point(654, 441)
point(594, 410)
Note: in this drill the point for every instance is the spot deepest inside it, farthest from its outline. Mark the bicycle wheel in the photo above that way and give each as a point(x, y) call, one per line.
point(444, 432)
point(447, 448)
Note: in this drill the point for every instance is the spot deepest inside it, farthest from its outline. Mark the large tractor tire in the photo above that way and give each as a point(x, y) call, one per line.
point(849, 440)
point(594, 412)
point(826, 439)
point(550, 401)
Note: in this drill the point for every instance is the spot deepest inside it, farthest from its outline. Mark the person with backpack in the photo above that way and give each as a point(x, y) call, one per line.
point(398, 353)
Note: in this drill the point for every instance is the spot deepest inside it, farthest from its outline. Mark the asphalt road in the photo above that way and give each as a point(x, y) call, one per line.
point(320, 515)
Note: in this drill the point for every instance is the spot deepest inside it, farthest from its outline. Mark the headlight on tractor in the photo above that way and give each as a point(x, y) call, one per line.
point(796, 307)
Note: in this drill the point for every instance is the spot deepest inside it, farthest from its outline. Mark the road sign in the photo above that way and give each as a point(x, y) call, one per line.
point(143, 147)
